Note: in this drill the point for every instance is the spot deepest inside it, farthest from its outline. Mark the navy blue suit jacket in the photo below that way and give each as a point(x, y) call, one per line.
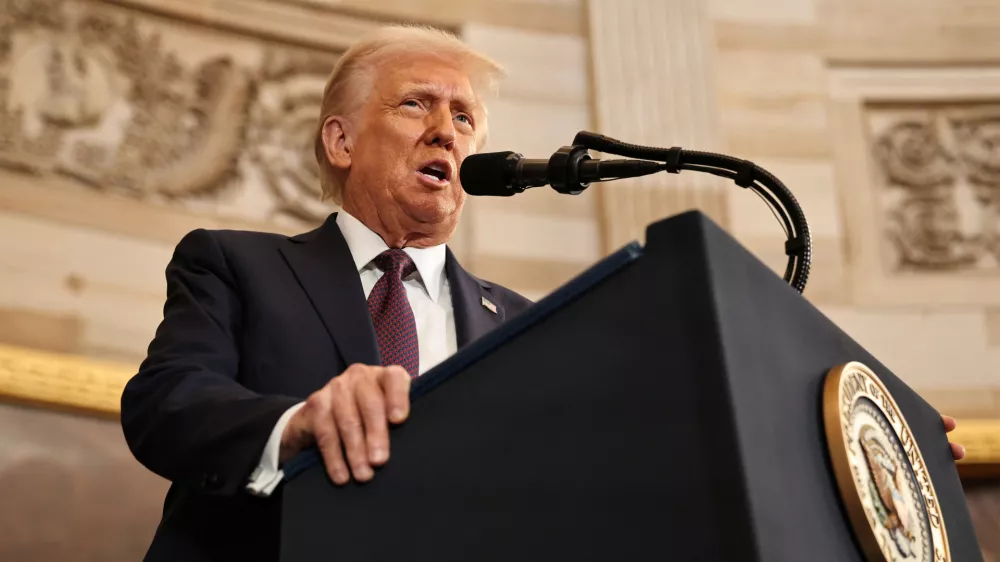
point(253, 323)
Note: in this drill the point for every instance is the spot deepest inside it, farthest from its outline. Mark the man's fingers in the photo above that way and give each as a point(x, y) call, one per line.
point(395, 382)
point(372, 407)
point(351, 430)
point(350, 419)
point(950, 424)
point(327, 439)
point(957, 451)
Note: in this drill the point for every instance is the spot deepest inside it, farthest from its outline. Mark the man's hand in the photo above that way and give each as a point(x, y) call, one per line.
point(957, 450)
point(351, 413)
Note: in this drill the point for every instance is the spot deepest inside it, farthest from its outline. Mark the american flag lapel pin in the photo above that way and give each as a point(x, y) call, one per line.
point(489, 306)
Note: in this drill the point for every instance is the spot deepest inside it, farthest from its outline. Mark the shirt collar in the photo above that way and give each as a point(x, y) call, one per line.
point(366, 245)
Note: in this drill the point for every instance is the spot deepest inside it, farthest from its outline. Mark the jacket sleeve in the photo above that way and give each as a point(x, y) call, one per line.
point(184, 415)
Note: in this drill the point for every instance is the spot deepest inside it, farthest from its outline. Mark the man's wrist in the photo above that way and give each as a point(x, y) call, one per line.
point(267, 475)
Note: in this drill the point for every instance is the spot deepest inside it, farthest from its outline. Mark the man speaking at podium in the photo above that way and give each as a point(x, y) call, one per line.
point(269, 344)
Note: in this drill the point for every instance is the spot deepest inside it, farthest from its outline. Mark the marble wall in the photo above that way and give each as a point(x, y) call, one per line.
point(126, 123)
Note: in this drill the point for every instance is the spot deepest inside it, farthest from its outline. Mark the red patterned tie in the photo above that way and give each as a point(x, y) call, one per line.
point(395, 327)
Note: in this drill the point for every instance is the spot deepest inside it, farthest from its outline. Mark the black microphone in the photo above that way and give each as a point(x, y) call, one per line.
point(570, 170)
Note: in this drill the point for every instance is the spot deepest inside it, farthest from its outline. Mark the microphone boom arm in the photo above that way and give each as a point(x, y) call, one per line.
point(744, 173)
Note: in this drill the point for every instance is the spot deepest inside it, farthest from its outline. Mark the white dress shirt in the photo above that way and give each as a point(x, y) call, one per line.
point(430, 298)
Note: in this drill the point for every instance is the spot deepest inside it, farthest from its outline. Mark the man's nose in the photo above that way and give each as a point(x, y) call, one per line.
point(440, 128)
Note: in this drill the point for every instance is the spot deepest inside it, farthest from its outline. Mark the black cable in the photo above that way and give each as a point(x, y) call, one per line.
point(782, 202)
point(772, 206)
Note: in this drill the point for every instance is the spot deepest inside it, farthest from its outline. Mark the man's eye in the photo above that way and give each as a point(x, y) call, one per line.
point(412, 103)
point(464, 117)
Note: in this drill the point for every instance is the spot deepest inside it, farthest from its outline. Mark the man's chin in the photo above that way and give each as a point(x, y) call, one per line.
point(432, 209)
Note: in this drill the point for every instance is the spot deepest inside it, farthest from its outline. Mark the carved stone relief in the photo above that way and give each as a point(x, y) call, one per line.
point(939, 185)
point(172, 114)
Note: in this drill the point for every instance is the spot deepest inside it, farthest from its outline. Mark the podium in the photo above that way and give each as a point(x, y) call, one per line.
point(667, 404)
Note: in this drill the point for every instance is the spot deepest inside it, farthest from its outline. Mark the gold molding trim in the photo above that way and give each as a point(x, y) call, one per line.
point(66, 381)
point(62, 381)
point(981, 439)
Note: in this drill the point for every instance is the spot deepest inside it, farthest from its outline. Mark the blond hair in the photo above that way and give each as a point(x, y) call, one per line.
point(354, 75)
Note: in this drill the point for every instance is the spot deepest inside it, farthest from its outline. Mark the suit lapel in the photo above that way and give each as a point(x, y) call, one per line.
point(323, 265)
point(470, 299)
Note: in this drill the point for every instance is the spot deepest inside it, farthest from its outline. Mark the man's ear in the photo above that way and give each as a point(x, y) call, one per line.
point(338, 142)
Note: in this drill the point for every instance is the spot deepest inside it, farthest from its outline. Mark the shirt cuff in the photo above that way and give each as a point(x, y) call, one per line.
point(266, 477)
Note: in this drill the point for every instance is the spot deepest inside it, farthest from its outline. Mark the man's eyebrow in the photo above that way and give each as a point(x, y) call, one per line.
point(433, 89)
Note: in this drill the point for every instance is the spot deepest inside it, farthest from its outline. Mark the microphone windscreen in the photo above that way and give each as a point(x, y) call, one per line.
point(488, 173)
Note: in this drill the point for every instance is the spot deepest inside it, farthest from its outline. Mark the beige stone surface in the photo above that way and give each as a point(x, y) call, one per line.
point(765, 11)
point(799, 133)
point(993, 327)
point(533, 277)
point(813, 184)
point(926, 348)
point(535, 128)
point(549, 202)
point(768, 37)
point(61, 202)
point(40, 330)
point(772, 103)
point(537, 237)
point(290, 21)
point(783, 78)
point(539, 66)
point(944, 32)
point(924, 82)
point(550, 16)
point(112, 285)
point(969, 403)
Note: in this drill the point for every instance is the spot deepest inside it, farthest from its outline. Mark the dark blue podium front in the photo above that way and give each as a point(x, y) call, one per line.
point(665, 405)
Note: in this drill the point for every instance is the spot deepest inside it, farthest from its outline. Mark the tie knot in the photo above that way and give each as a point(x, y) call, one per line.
point(396, 261)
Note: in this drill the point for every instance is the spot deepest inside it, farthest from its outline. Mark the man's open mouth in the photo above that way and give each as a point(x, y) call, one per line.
point(433, 172)
point(437, 170)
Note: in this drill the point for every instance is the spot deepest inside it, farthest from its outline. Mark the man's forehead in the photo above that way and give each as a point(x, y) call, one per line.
point(429, 76)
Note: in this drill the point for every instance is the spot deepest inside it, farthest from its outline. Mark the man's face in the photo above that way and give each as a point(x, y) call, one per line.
point(411, 137)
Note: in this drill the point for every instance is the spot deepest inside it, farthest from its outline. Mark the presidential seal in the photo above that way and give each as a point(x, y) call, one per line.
point(881, 474)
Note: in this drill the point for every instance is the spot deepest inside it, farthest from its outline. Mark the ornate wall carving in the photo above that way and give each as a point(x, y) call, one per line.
point(938, 189)
point(120, 101)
